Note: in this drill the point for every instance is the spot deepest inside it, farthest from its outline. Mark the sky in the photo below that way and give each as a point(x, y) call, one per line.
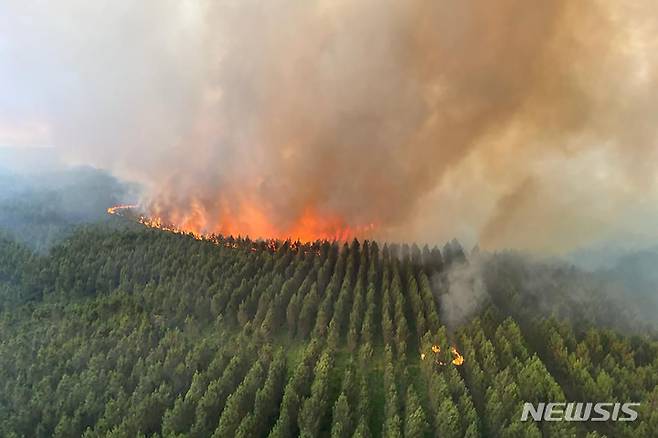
point(511, 124)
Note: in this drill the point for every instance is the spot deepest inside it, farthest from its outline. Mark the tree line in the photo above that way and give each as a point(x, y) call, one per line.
point(137, 332)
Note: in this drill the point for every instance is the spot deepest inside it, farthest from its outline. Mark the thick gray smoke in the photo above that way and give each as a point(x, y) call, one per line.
point(513, 123)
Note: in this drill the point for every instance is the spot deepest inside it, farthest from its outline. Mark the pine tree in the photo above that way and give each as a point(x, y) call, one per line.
point(415, 424)
point(292, 313)
point(342, 422)
point(241, 401)
point(312, 413)
point(269, 396)
point(447, 420)
point(308, 312)
point(178, 419)
point(362, 430)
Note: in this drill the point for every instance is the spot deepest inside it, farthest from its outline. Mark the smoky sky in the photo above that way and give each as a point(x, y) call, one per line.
point(511, 123)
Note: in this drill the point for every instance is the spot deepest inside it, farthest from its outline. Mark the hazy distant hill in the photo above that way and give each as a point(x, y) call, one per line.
point(41, 209)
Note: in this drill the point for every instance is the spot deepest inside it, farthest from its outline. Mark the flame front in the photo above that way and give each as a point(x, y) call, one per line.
point(249, 220)
point(271, 244)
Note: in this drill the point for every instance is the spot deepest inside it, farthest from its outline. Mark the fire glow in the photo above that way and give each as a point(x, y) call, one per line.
point(309, 226)
point(457, 358)
point(248, 220)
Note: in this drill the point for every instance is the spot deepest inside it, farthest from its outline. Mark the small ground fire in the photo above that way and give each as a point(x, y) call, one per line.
point(457, 358)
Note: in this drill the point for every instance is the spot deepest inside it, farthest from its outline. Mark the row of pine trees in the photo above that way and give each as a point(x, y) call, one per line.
point(145, 333)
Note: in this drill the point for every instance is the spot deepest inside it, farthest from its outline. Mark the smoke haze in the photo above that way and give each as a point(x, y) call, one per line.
point(464, 292)
point(512, 123)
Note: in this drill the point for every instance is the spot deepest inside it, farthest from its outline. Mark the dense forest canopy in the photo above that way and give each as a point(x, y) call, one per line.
point(334, 219)
point(114, 329)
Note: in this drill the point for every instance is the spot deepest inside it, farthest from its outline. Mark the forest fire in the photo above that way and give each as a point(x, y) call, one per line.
point(248, 219)
point(117, 209)
point(457, 358)
point(309, 226)
point(156, 222)
point(131, 211)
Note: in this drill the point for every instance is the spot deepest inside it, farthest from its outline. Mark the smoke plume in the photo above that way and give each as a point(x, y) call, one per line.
point(511, 123)
point(464, 291)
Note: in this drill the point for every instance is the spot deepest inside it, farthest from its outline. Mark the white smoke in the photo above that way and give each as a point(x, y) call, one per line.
point(464, 291)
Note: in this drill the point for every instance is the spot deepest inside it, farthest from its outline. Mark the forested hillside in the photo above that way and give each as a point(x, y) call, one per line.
point(137, 332)
point(41, 209)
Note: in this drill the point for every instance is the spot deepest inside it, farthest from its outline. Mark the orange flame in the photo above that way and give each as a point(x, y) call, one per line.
point(458, 359)
point(272, 245)
point(119, 208)
point(248, 220)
